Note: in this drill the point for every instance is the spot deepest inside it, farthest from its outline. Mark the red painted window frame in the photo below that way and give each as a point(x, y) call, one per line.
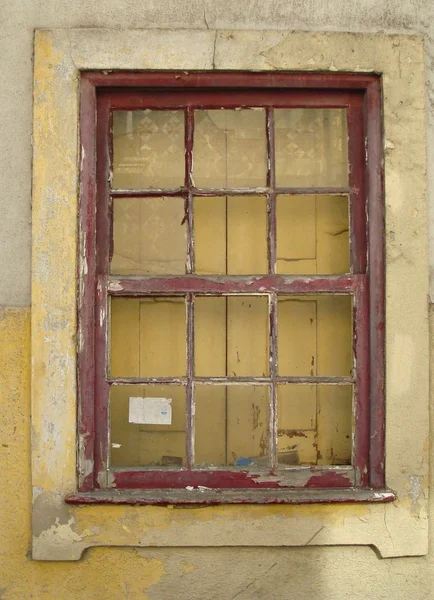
point(360, 94)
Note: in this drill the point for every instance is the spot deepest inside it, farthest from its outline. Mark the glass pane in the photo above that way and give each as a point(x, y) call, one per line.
point(231, 425)
point(147, 426)
point(148, 236)
point(315, 335)
point(314, 424)
point(311, 147)
point(231, 336)
point(229, 148)
point(148, 149)
point(231, 235)
point(312, 235)
point(148, 337)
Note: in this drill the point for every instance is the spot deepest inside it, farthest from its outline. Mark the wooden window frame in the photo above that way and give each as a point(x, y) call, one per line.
point(360, 95)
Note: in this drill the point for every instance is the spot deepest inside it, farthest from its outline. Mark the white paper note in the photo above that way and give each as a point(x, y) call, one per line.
point(150, 411)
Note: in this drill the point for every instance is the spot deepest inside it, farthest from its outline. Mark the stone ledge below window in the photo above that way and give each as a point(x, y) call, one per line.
point(207, 496)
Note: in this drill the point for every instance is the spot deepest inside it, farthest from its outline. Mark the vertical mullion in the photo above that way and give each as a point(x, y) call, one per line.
point(103, 244)
point(375, 189)
point(86, 300)
point(190, 374)
point(272, 307)
point(190, 268)
point(189, 202)
point(102, 388)
point(104, 168)
point(271, 197)
point(110, 208)
point(362, 412)
point(356, 159)
point(361, 310)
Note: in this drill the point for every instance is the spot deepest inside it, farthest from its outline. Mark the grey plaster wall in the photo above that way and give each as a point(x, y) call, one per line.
point(19, 18)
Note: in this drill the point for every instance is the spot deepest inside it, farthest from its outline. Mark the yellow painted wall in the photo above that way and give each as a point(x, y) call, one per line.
point(164, 573)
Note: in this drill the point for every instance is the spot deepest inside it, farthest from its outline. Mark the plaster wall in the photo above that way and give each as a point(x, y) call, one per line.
point(328, 572)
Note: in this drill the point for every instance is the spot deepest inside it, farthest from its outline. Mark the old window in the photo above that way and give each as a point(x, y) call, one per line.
point(231, 301)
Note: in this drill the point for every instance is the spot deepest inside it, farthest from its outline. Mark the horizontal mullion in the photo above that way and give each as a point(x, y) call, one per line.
point(252, 477)
point(198, 79)
point(147, 380)
point(182, 191)
point(317, 380)
point(232, 380)
point(230, 191)
point(234, 469)
point(168, 99)
point(309, 191)
point(149, 192)
point(308, 380)
point(227, 285)
point(341, 191)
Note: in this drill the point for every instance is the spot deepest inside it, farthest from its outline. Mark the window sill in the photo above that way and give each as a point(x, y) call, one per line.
point(207, 496)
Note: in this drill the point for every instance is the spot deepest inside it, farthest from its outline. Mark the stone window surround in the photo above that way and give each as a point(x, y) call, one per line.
point(62, 532)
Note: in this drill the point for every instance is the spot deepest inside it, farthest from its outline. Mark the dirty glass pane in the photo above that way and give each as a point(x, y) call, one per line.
point(229, 148)
point(231, 235)
point(315, 335)
point(231, 336)
point(148, 426)
point(314, 424)
point(149, 236)
point(312, 235)
point(311, 147)
point(231, 424)
point(148, 337)
point(148, 149)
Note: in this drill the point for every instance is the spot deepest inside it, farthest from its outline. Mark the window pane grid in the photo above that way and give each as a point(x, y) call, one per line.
point(191, 381)
point(188, 191)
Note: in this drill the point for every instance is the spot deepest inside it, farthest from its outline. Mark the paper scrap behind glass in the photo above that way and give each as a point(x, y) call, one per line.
point(150, 411)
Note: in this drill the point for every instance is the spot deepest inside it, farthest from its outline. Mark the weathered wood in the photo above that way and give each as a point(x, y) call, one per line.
point(360, 95)
point(236, 284)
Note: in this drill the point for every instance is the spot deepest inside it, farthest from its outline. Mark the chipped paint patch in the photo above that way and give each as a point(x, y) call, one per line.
point(115, 286)
point(415, 487)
